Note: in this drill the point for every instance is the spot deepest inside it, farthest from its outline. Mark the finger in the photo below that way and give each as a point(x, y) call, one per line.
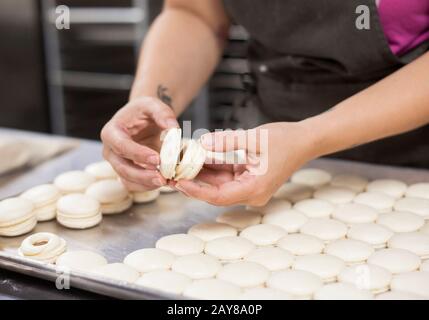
point(233, 192)
point(162, 114)
point(135, 187)
point(134, 173)
point(231, 140)
point(122, 144)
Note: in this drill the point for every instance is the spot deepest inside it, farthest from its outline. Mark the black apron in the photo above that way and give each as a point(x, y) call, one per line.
point(306, 56)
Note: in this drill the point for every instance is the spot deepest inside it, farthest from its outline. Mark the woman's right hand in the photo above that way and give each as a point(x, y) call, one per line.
point(131, 142)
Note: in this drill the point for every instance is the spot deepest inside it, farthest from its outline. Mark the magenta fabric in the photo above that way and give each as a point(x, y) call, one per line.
point(405, 23)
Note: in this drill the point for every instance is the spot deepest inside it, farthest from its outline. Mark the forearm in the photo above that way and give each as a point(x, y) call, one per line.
point(396, 104)
point(179, 54)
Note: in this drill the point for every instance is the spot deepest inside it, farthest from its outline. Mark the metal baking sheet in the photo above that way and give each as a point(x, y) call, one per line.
point(142, 225)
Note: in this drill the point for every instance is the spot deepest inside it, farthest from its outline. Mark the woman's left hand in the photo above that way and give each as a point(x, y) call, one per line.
point(274, 152)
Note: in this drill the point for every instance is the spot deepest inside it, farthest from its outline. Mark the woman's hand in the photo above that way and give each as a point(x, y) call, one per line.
point(274, 152)
point(132, 141)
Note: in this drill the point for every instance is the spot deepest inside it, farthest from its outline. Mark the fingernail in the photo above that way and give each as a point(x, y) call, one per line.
point(153, 160)
point(171, 123)
point(157, 182)
point(207, 140)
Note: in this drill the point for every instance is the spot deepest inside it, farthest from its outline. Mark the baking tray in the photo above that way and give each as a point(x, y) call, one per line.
point(142, 225)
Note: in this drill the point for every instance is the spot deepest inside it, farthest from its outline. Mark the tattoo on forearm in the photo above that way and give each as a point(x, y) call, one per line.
point(163, 95)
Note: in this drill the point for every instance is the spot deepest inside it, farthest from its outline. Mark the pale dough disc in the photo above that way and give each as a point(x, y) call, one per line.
point(374, 234)
point(367, 277)
point(425, 266)
point(416, 242)
point(353, 182)
point(73, 181)
point(212, 230)
point(167, 189)
point(244, 274)
point(240, 218)
point(149, 259)
point(180, 244)
point(263, 234)
point(20, 228)
point(326, 266)
point(43, 246)
point(398, 295)
point(274, 259)
point(342, 291)
point(264, 294)
point(117, 271)
point(212, 289)
point(350, 251)
point(294, 192)
point(297, 283)
point(395, 260)
point(315, 208)
point(336, 195)
point(81, 260)
point(415, 205)
point(14, 211)
point(77, 205)
point(324, 229)
point(43, 195)
point(164, 280)
point(311, 177)
point(290, 220)
point(352, 213)
point(274, 205)
point(197, 266)
point(379, 201)
point(425, 228)
point(46, 213)
point(119, 207)
point(107, 191)
point(416, 282)
point(391, 187)
point(79, 223)
point(146, 196)
point(301, 244)
point(418, 190)
point(170, 152)
point(398, 221)
point(101, 170)
point(229, 248)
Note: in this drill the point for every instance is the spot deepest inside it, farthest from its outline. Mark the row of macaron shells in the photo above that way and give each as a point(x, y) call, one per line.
point(76, 198)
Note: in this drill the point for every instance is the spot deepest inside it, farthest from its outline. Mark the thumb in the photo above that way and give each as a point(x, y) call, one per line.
point(231, 140)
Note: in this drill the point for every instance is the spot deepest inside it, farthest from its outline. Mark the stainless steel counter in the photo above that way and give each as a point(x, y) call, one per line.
point(140, 226)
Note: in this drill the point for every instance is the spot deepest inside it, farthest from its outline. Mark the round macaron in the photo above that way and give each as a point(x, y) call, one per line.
point(311, 177)
point(16, 217)
point(165, 280)
point(180, 244)
point(391, 187)
point(342, 291)
point(274, 205)
point(350, 251)
point(418, 190)
point(418, 206)
point(244, 274)
point(294, 192)
point(416, 282)
point(78, 211)
point(264, 294)
point(301, 244)
point(368, 277)
point(272, 258)
point(377, 200)
point(263, 234)
point(197, 266)
point(212, 230)
point(401, 221)
point(315, 208)
point(352, 213)
point(81, 260)
point(149, 259)
point(326, 266)
point(289, 220)
point(111, 194)
point(229, 248)
point(43, 246)
point(416, 242)
point(325, 229)
point(73, 181)
point(44, 199)
point(212, 289)
point(374, 234)
point(354, 182)
point(101, 170)
point(299, 284)
point(240, 218)
point(395, 260)
point(335, 195)
point(145, 196)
